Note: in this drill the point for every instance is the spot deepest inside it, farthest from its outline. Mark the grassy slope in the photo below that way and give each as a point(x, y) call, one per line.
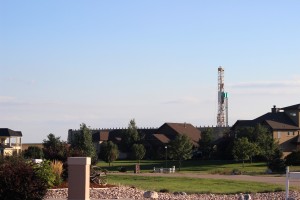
point(192, 185)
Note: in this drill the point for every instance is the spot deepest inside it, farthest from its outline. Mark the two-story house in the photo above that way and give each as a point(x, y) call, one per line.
point(10, 142)
point(283, 123)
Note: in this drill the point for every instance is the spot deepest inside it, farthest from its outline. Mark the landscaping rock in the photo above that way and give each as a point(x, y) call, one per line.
point(241, 197)
point(151, 194)
point(247, 197)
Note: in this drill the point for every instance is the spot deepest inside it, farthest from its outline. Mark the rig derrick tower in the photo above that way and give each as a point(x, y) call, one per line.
point(222, 117)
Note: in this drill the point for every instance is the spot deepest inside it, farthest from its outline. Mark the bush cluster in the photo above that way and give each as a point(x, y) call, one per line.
point(277, 165)
point(20, 181)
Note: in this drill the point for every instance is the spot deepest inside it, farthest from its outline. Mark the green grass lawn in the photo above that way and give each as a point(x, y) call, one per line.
point(193, 166)
point(192, 185)
point(190, 166)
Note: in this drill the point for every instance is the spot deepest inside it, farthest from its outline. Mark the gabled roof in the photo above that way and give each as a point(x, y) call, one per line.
point(184, 129)
point(162, 138)
point(293, 107)
point(276, 117)
point(275, 120)
point(244, 123)
point(9, 133)
point(280, 126)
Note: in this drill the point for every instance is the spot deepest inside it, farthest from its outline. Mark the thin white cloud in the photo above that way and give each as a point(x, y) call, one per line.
point(7, 99)
point(280, 87)
point(22, 81)
point(266, 84)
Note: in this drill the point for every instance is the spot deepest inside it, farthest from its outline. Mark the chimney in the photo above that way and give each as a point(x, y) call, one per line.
point(274, 109)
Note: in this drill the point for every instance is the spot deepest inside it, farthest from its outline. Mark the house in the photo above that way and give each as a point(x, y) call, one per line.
point(155, 139)
point(10, 142)
point(283, 123)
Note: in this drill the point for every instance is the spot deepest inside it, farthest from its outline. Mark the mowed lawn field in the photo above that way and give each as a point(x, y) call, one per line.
point(192, 185)
point(193, 166)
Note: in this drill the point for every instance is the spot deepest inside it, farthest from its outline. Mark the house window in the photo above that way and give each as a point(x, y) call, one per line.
point(278, 134)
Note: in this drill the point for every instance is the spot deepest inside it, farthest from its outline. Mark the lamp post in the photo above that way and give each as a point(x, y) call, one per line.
point(166, 154)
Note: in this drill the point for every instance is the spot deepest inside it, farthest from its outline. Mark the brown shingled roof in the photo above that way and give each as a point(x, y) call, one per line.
point(184, 129)
point(162, 138)
point(281, 126)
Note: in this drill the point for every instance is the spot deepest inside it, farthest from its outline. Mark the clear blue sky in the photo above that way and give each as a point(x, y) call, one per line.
point(105, 62)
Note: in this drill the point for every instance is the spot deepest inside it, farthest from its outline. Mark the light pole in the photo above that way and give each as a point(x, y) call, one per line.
point(166, 154)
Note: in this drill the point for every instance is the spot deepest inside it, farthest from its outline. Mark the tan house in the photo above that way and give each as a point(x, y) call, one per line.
point(284, 124)
point(10, 142)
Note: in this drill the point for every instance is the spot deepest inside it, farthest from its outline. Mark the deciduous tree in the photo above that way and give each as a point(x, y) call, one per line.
point(205, 143)
point(180, 149)
point(108, 152)
point(243, 149)
point(138, 151)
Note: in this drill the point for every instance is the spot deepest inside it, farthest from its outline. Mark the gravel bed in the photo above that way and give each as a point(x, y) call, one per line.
point(134, 193)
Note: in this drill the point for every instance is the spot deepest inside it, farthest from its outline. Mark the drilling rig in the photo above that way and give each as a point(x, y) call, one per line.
point(222, 117)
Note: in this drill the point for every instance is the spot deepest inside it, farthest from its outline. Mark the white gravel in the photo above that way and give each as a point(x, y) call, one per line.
point(134, 193)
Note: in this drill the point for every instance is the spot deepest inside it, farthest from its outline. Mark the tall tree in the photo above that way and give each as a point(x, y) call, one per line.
point(82, 141)
point(108, 152)
point(138, 151)
point(180, 149)
point(54, 148)
point(205, 143)
point(130, 136)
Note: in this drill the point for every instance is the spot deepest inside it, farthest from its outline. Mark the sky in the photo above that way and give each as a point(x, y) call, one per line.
point(103, 63)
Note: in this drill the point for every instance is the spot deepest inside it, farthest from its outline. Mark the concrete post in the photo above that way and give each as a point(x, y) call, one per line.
point(79, 178)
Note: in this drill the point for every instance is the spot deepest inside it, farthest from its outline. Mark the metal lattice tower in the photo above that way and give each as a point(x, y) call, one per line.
point(222, 117)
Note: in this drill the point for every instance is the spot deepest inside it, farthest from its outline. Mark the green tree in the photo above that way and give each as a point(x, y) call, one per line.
point(243, 149)
point(138, 151)
point(33, 152)
point(267, 147)
point(108, 152)
point(55, 149)
point(180, 149)
point(82, 142)
point(205, 143)
point(131, 136)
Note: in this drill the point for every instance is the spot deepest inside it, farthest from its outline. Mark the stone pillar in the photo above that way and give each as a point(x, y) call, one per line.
point(79, 178)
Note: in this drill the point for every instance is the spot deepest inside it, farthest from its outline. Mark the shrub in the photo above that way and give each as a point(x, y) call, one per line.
point(45, 172)
point(19, 181)
point(122, 169)
point(293, 158)
point(277, 165)
point(236, 172)
point(33, 152)
point(57, 168)
point(164, 190)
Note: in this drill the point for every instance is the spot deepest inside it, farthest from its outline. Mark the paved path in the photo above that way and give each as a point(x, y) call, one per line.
point(264, 179)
